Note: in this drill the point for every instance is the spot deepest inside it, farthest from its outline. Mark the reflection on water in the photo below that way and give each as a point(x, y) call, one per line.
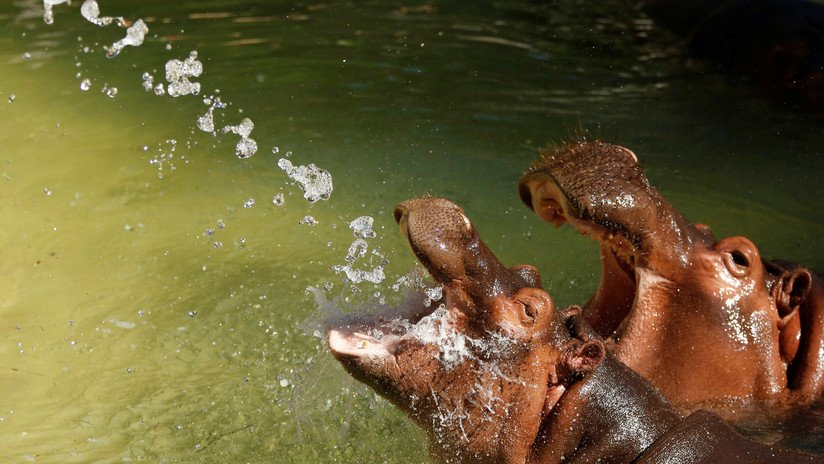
point(153, 298)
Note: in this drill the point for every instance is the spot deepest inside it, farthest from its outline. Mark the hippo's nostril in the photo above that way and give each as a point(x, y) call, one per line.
point(400, 212)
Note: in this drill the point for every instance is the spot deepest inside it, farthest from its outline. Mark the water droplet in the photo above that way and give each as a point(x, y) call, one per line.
point(134, 37)
point(309, 221)
point(178, 74)
point(315, 182)
point(245, 148)
point(85, 84)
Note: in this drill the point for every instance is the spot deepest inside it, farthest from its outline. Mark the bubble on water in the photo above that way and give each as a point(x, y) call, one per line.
point(12, 97)
point(148, 81)
point(315, 182)
point(221, 224)
point(178, 74)
point(192, 313)
point(308, 221)
point(91, 11)
point(26, 56)
point(168, 46)
point(276, 150)
point(47, 191)
point(284, 382)
point(249, 203)
point(159, 90)
point(328, 286)
point(278, 200)
point(48, 14)
point(362, 227)
point(85, 84)
point(134, 37)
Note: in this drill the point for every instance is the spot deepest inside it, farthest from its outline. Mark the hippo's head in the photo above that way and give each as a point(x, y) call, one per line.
point(481, 368)
point(702, 319)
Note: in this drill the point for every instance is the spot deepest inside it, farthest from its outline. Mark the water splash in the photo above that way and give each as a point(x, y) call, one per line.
point(315, 182)
point(148, 81)
point(246, 147)
point(134, 38)
point(48, 14)
point(178, 74)
point(359, 251)
point(362, 227)
point(91, 11)
point(308, 221)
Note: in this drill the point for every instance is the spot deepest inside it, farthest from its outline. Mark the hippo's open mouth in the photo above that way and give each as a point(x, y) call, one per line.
point(601, 191)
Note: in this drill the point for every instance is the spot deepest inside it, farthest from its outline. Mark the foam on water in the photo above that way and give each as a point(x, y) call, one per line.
point(315, 182)
point(134, 37)
point(178, 74)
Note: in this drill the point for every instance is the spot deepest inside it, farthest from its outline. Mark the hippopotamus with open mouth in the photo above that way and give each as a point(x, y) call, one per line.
point(702, 319)
point(494, 374)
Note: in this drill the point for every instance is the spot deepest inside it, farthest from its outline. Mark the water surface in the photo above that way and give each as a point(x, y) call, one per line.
point(150, 315)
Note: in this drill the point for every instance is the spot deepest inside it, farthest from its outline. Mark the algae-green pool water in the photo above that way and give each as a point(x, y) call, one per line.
point(153, 297)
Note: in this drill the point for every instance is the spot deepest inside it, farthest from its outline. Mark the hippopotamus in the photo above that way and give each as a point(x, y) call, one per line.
point(778, 43)
point(494, 374)
point(703, 320)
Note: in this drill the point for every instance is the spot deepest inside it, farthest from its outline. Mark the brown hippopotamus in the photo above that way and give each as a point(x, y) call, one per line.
point(494, 374)
point(702, 319)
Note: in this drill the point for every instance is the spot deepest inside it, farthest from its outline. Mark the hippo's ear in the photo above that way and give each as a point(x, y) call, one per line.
point(739, 254)
point(585, 357)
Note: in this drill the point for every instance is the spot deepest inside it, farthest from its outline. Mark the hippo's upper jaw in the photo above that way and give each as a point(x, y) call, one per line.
point(602, 192)
point(693, 315)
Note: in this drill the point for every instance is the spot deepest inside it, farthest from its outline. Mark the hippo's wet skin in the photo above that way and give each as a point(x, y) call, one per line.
point(702, 319)
point(524, 389)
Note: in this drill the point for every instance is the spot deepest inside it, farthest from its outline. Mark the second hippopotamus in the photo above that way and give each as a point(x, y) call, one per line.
point(702, 319)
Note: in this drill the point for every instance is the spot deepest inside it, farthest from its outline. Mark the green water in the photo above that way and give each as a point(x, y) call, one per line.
point(130, 333)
